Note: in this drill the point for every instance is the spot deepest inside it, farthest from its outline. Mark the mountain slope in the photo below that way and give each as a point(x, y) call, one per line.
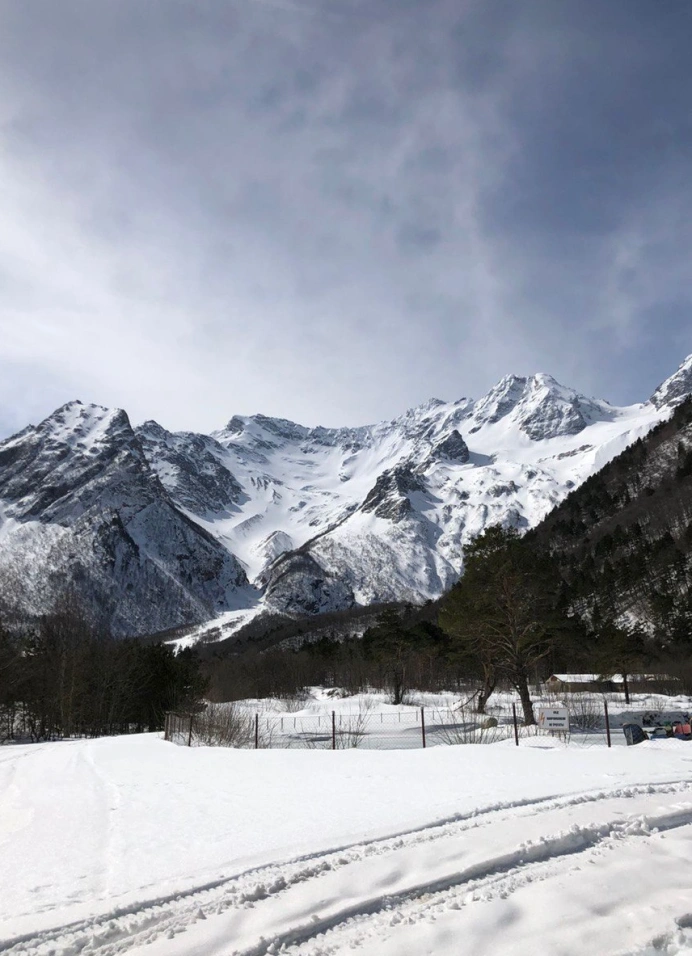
point(168, 528)
point(387, 509)
point(81, 512)
point(623, 540)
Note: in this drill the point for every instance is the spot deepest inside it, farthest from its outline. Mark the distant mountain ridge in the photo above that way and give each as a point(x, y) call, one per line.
point(158, 529)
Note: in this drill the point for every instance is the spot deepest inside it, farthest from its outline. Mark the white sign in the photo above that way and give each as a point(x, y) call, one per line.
point(553, 718)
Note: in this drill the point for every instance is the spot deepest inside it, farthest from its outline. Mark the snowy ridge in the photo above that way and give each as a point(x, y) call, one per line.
point(317, 519)
point(383, 511)
point(675, 388)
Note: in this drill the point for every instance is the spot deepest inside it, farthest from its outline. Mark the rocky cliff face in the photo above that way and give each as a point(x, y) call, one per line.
point(299, 585)
point(162, 528)
point(676, 388)
point(85, 515)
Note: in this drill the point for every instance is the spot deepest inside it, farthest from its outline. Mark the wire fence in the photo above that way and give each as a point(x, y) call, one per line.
point(582, 720)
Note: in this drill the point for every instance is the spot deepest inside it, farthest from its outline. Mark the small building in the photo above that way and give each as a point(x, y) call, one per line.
point(612, 683)
point(579, 684)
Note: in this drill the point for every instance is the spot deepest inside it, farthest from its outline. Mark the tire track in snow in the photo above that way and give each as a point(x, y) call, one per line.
point(143, 922)
point(499, 876)
point(110, 801)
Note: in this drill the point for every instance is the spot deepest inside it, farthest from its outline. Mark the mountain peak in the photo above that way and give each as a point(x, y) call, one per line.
point(235, 425)
point(676, 388)
point(539, 405)
point(151, 427)
point(425, 407)
point(78, 424)
point(501, 399)
point(543, 380)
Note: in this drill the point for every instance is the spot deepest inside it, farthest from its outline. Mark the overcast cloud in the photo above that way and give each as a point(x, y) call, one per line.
point(331, 210)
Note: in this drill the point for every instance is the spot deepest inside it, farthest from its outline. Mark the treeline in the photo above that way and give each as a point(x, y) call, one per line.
point(60, 677)
point(272, 629)
point(622, 541)
point(502, 626)
point(404, 649)
point(507, 624)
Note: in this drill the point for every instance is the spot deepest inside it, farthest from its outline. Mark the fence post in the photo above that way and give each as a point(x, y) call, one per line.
point(422, 724)
point(165, 727)
point(256, 731)
point(607, 721)
point(189, 735)
point(516, 726)
point(333, 730)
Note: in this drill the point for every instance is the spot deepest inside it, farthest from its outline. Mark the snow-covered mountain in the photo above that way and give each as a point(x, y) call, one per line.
point(82, 512)
point(169, 528)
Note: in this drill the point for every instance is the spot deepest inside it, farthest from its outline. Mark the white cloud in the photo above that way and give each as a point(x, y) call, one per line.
point(236, 208)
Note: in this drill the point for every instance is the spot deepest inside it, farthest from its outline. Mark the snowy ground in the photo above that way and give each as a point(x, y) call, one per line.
point(135, 845)
point(369, 721)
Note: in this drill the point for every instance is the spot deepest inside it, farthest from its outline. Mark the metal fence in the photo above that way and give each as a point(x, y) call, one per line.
point(589, 722)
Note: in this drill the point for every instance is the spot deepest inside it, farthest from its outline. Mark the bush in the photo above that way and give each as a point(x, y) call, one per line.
point(224, 725)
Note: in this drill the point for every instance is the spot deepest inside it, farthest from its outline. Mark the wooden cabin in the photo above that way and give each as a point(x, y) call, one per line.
point(612, 683)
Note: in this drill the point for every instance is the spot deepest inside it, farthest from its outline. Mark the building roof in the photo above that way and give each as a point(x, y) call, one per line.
point(604, 678)
point(577, 678)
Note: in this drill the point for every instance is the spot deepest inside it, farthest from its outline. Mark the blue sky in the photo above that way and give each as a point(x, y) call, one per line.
point(331, 210)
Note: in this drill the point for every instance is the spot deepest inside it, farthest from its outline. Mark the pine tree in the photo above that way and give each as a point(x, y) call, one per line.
point(504, 611)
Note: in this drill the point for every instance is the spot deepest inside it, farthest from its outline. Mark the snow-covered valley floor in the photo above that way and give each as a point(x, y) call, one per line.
point(133, 844)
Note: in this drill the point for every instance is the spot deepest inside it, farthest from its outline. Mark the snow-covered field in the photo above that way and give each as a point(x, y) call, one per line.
point(370, 721)
point(133, 844)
